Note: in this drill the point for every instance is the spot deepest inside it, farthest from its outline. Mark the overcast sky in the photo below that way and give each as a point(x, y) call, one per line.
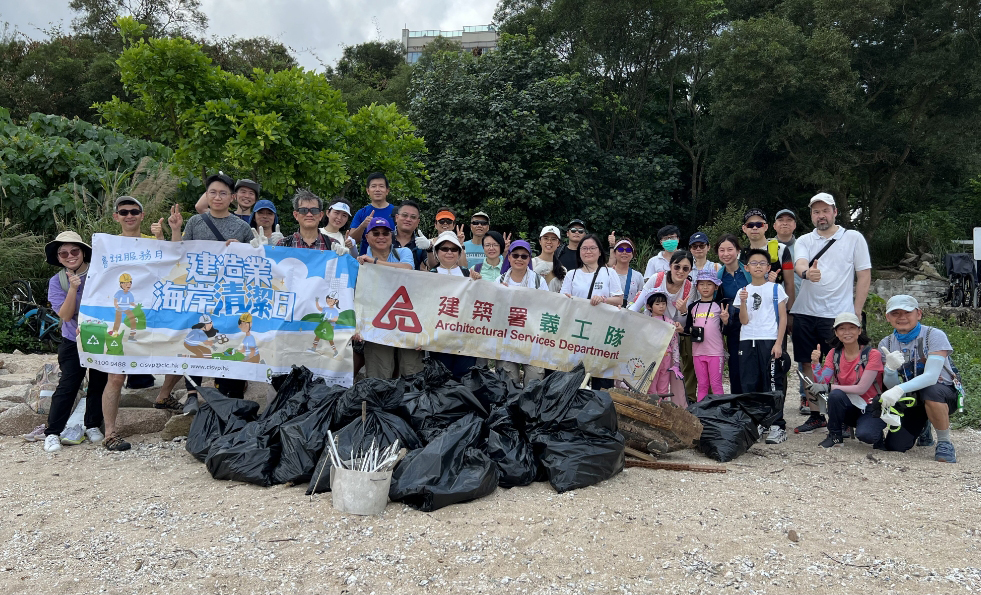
point(316, 30)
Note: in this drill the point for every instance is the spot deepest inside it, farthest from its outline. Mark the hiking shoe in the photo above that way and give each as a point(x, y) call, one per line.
point(73, 435)
point(945, 452)
point(169, 403)
point(831, 441)
point(52, 443)
point(815, 422)
point(94, 435)
point(926, 436)
point(35, 435)
point(116, 444)
point(776, 435)
point(804, 408)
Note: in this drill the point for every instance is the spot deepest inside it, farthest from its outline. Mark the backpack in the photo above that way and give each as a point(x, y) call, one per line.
point(742, 269)
point(915, 368)
point(685, 292)
point(863, 363)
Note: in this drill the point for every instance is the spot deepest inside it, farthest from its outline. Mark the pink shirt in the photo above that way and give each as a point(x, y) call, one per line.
point(706, 315)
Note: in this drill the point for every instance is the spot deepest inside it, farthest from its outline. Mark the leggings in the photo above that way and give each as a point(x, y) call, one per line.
point(708, 371)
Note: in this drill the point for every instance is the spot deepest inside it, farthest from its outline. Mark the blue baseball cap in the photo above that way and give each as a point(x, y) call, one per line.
point(379, 222)
point(263, 204)
point(698, 237)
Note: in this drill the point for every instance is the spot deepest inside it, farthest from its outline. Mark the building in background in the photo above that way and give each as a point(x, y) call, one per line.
point(479, 39)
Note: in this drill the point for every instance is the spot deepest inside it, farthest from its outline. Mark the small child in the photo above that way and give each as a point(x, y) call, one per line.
point(705, 322)
point(657, 306)
point(763, 314)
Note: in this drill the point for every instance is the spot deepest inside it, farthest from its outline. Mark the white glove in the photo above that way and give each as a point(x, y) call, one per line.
point(258, 238)
point(351, 244)
point(890, 397)
point(544, 267)
point(422, 242)
point(891, 419)
point(894, 360)
point(275, 237)
point(340, 249)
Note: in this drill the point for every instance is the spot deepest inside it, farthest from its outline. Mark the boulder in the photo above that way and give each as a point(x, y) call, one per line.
point(909, 261)
point(134, 400)
point(140, 421)
point(925, 267)
point(176, 426)
point(16, 393)
point(16, 379)
point(927, 257)
point(20, 419)
point(5, 405)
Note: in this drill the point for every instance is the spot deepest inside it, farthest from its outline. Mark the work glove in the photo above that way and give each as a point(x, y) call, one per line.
point(275, 237)
point(543, 268)
point(894, 360)
point(819, 390)
point(890, 397)
point(258, 238)
point(422, 242)
point(340, 249)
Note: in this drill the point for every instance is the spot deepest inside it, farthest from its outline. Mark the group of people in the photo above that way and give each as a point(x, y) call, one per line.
point(738, 314)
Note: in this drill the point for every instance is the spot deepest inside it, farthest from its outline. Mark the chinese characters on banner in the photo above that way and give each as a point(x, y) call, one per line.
point(411, 309)
point(204, 309)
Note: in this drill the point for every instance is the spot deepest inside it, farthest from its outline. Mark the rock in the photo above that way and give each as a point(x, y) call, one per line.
point(5, 405)
point(1, 363)
point(29, 364)
point(925, 267)
point(920, 277)
point(19, 352)
point(176, 426)
point(16, 379)
point(3, 371)
point(909, 261)
point(20, 419)
point(16, 393)
point(792, 536)
point(927, 257)
point(132, 400)
point(140, 421)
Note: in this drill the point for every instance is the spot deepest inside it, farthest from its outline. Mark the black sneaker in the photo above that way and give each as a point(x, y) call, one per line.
point(815, 422)
point(926, 436)
point(804, 409)
point(831, 441)
point(115, 443)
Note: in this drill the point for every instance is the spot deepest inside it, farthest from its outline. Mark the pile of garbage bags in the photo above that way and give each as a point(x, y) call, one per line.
point(464, 439)
point(730, 423)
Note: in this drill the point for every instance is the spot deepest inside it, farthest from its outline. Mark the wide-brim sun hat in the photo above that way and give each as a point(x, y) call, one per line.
point(66, 237)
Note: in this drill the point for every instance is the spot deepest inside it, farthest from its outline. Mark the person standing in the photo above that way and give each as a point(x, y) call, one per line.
point(836, 269)
point(474, 247)
point(448, 250)
point(407, 232)
point(265, 224)
point(705, 321)
point(377, 189)
point(781, 261)
point(445, 221)
point(338, 215)
point(668, 237)
point(308, 210)
point(129, 214)
point(621, 254)
point(785, 224)
point(698, 245)
point(65, 289)
point(493, 264)
point(546, 264)
point(520, 275)
point(733, 277)
point(246, 195)
point(575, 232)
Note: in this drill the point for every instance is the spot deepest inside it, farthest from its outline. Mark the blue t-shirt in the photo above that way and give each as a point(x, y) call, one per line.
point(329, 313)
point(196, 337)
point(474, 252)
point(125, 299)
point(249, 346)
point(400, 255)
point(363, 213)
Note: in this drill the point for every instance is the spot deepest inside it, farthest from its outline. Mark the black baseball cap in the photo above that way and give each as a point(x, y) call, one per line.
point(783, 212)
point(576, 222)
point(754, 213)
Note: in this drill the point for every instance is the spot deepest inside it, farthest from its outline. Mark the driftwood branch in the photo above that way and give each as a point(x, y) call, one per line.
point(919, 272)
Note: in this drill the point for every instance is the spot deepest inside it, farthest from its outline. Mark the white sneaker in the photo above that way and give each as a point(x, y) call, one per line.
point(72, 435)
point(52, 443)
point(761, 431)
point(94, 435)
point(35, 435)
point(776, 435)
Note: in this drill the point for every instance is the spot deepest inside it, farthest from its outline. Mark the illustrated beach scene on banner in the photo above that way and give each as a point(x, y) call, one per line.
point(206, 309)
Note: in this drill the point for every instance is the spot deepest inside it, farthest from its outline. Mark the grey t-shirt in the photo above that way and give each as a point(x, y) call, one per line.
point(916, 352)
point(232, 227)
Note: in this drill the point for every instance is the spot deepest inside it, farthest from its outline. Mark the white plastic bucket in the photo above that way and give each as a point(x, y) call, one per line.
point(359, 492)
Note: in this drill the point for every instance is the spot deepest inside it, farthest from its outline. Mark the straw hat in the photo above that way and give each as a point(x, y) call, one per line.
point(66, 237)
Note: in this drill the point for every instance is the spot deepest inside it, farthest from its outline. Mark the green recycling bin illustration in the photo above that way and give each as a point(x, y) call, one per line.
point(114, 345)
point(93, 336)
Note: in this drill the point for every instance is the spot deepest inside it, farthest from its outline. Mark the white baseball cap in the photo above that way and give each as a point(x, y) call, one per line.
point(340, 206)
point(551, 229)
point(847, 318)
point(448, 236)
point(906, 303)
point(822, 197)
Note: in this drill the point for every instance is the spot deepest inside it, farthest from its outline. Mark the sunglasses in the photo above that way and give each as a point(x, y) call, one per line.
point(380, 232)
point(520, 256)
point(308, 210)
point(69, 252)
point(626, 249)
point(577, 230)
point(698, 246)
point(683, 269)
point(448, 249)
point(754, 224)
point(479, 222)
point(445, 221)
point(128, 212)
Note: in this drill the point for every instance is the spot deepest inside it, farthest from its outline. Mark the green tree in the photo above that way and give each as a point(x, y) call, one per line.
point(372, 72)
point(97, 18)
point(242, 56)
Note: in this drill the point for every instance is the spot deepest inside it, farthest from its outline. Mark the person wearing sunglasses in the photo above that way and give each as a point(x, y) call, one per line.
point(519, 274)
point(668, 236)
point(445, 221)
point(781, 259)
point(377, 190)
point(568, 253)
point(622, 253)
point(68, 252)
point(385, 361)
point(698, 245)
point(479, 226)
point(308, 211)
point(449, 250)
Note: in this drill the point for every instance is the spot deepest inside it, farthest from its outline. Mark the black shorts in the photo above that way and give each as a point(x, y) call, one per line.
point(940, 393)
point(809, 331)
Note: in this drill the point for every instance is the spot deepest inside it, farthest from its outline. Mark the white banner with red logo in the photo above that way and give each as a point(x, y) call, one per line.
point(413, 309)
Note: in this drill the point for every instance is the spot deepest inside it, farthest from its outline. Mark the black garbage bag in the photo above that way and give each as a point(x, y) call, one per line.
point(291, 397)
point(572, 431)
point(378, 394)
point(509, 448)
point(434, 374)
point(432, 410)
point(491, 387)
point(217, 416)
point(248, 455)
point(452, 468)
point(302, 438)
point(381, 426)
point(730, 422)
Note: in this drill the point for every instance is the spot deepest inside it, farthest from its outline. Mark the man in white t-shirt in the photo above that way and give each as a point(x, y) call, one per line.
point(836, 269)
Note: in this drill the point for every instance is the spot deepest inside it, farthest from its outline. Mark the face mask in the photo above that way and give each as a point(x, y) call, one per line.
point(670, 245)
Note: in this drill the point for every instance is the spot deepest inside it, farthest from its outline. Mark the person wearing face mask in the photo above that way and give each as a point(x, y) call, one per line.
point(668, 237)
point(546, 264)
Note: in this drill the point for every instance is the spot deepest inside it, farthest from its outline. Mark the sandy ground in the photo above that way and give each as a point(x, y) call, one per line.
point(785, 518)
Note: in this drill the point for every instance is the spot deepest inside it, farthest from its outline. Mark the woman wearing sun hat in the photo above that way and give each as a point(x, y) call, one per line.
point(73, 255)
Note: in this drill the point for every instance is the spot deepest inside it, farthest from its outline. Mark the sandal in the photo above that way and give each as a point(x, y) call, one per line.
point(169, 403)
point(115, 443)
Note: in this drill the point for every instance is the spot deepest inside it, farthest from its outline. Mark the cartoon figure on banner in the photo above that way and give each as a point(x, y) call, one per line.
point(249, 348)
point(328, 316)
point(202, 337)
point(125, 303)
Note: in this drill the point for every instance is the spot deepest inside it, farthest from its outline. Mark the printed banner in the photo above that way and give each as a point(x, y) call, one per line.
point(413, 309)
point(204, 309)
